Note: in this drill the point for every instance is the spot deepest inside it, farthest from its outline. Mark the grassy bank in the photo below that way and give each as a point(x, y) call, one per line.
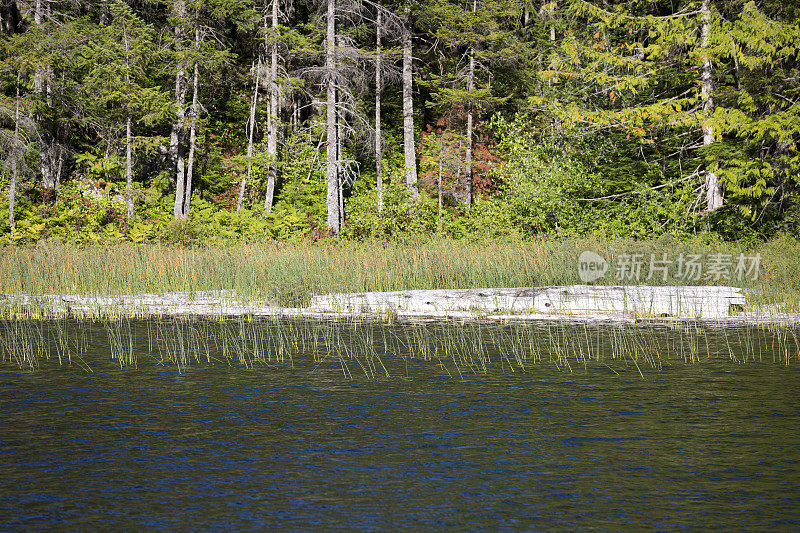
point(289, 273)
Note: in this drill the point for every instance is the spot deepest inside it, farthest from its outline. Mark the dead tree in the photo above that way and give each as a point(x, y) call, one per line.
point(409, 147)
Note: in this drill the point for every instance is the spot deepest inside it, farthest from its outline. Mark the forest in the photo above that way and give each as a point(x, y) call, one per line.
point(217, 121)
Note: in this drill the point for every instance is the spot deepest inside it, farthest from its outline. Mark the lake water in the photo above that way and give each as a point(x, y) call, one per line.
point(713, 444)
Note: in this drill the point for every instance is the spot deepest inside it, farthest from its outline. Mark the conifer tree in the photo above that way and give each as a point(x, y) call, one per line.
point(118, 89)
point(480, 35)
point(661, 76)
point(201, 19)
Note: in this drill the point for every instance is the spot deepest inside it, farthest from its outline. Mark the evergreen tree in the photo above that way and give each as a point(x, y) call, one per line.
point(666, 78)
point(480, 35)
point(118, 88)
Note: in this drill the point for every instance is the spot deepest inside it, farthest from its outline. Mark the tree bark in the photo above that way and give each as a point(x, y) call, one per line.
point(251, 126)
point(192, 132)
point(409, 148)
point(9, 16)
point(713, 190)
point(12, 192)
point(378, 89)
point(470, 88)
point(439, 184)
point(339, 169)
point(49, 151)
point(38, 18)
point(128, 169)
point(177, 149)
point(12, 189)
point(272, 117)
point(128, 120)
point(331, 148)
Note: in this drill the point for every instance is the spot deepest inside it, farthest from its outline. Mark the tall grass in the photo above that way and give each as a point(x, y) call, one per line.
point(372, 349)
point(289, 273)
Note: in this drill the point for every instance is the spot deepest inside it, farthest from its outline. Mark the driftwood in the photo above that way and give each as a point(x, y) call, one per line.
point(201, 303)
point(572, 303)
point(697, 302)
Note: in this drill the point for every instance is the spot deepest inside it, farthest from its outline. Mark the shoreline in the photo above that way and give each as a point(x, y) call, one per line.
point(493, 305)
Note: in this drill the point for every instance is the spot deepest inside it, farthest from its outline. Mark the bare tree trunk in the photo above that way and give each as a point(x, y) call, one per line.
point(48, 145)
point(713, 190)
point(409, 148)
point(12, 192)
point(470, 88)
point(272, 117)
point(49, 156)
point(251, 126)
point(192, 132)
point(339, 170)
point(439, 184)
point(59, 167)
point(9, 16)
point(378, 89)
point(178, 134)
point(331, 148)
point(128, 169)
point(12, 189)
point(38, 18)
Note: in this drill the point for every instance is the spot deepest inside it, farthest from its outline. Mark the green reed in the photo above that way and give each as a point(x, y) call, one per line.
point(289, 273)
point(374, 349)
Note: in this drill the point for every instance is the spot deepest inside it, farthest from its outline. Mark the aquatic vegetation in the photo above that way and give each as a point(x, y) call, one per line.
point(373, 349)
point(288, 274)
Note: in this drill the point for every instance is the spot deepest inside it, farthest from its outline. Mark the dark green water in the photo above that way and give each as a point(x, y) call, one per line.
point(709, 445)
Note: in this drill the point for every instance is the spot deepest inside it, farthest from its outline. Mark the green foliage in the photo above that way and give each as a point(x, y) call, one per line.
point(636, 69)
point(401, 216)
point(596, 112)
point(82, 214)
point(301, 198)
point(550, 190)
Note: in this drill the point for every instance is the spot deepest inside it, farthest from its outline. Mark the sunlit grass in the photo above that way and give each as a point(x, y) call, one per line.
point(289, 273)
point(370, 349)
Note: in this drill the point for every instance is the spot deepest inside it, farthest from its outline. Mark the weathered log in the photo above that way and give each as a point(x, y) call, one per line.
point(701, 302)
point(573, 302)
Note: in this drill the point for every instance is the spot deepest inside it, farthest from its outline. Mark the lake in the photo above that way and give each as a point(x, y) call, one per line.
point(221, 446)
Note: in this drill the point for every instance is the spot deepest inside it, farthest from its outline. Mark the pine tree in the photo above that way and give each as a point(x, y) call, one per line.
point(667, 80)
point(117, 87)
point(474, 36)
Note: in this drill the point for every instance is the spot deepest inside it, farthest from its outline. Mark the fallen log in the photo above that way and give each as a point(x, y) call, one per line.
point(642, 300)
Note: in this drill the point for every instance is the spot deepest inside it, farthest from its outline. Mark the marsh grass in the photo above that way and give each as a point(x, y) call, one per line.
point(371, 350)
point(288, 274)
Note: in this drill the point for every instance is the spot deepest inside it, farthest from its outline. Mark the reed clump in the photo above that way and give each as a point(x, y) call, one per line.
point(374, 349)
point(287, 274)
